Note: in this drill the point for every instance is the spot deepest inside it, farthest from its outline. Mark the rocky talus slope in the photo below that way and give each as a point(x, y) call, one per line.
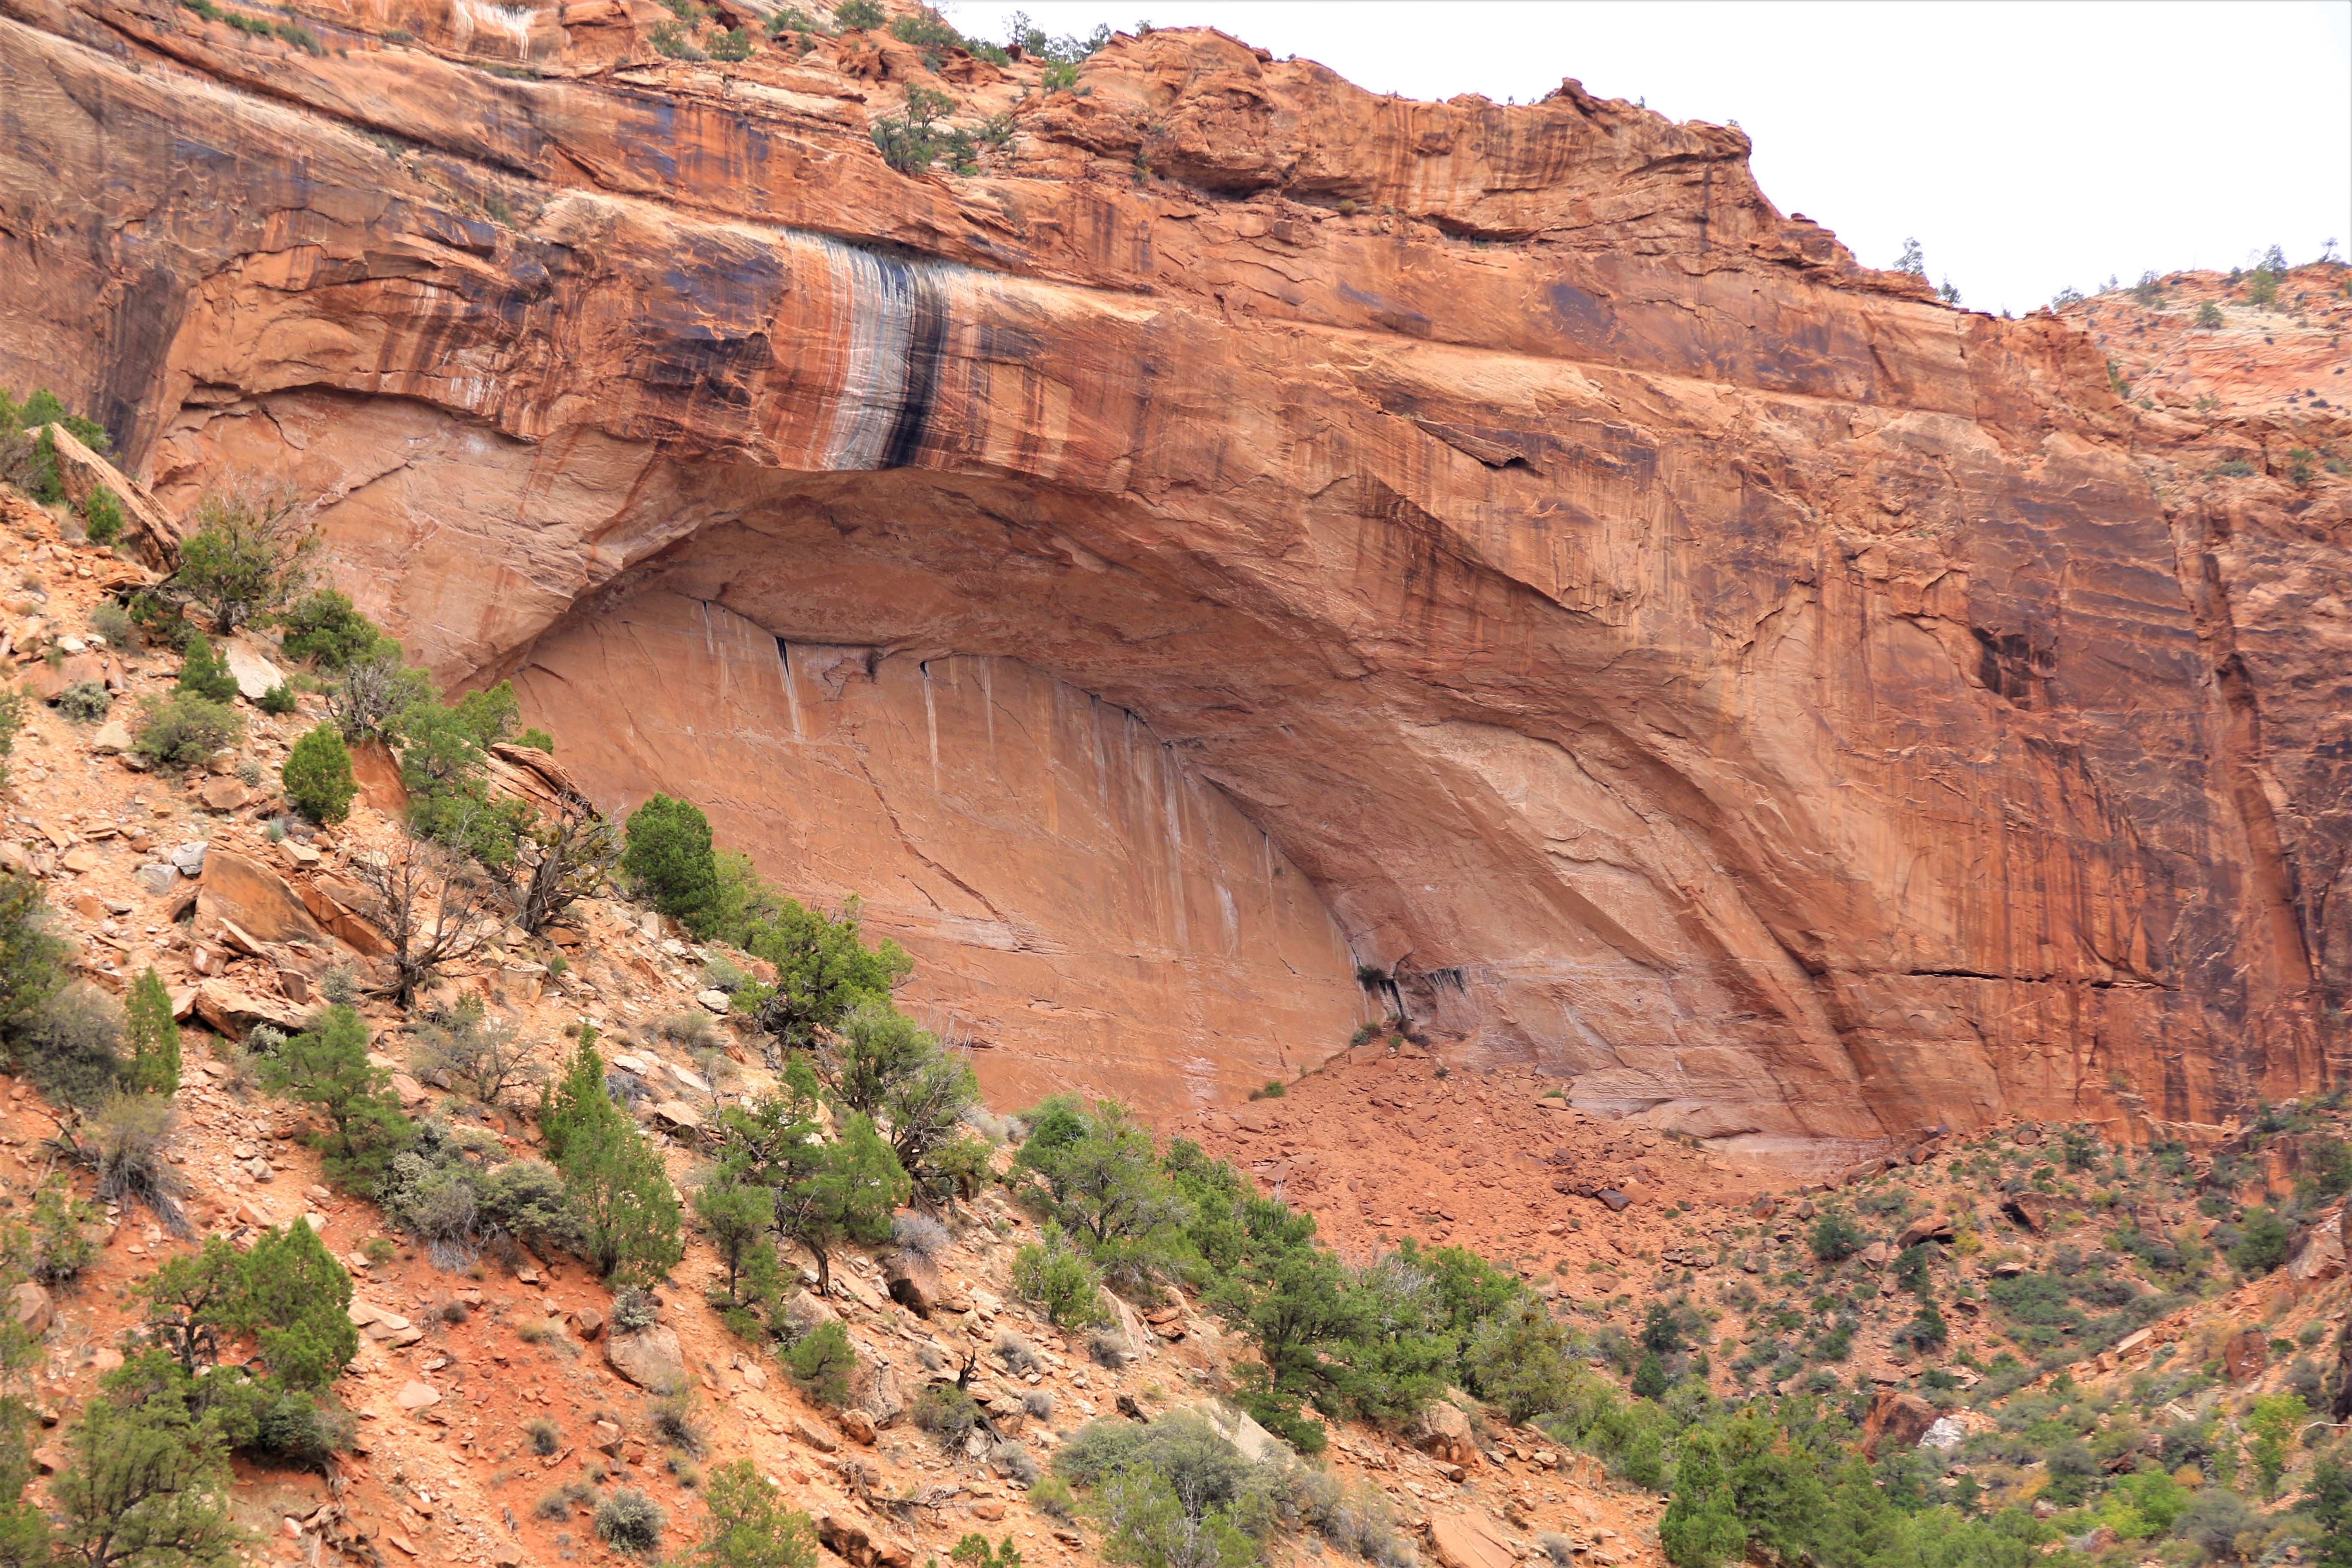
point(1242, 532)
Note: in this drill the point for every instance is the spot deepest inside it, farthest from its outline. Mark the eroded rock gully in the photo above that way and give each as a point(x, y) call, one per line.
point(1249, 530)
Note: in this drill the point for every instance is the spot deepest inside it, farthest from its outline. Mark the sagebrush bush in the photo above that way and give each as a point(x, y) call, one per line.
point(71, 1047)
point(921, 1235)
point(85, 702)
point(674, 1422)
point(113, 623)
point(1020, 1357)
point(546, 1437)
point(633, 1310)
point(128, 1145)
point(629, 1520)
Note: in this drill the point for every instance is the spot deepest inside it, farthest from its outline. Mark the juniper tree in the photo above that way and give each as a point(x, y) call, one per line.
point(327, 1066)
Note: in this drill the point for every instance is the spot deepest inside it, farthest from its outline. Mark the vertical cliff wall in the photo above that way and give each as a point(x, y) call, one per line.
point(1083, 908)
point(1676, 656)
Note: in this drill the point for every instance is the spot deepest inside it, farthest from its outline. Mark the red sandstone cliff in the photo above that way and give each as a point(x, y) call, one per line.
point(1249, 530)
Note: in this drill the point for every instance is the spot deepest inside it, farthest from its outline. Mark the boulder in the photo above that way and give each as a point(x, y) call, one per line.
point(851, 1541)
point(157, 880)
point(915, 1283)
point(113, 738)
point(254, 675)
point(1927, 1228)
point(377, 773)
point(876, 1391)
point(2246, 1355)
point(1946, 1433)
point(858, 1425)
point(231, 1010)
point(818, 1437)
point(253, 898)
point(1254, 1443)
point(1896, 1420)
point(677, 1116)
point(714, 1001)
point(2030, 1211)
point(188, 859)
point(649, 1358)
point(416, 1395)
point(225, 794)
point(810, 1311)
point(588, 1322)
point(32, 1308)
point(149, 532)
point(2319, 1258)
point(333, 903)
point(1442, 1431)
point(1469, 1540)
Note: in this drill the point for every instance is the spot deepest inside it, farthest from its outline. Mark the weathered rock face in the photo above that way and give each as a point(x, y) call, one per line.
point(1672, 654)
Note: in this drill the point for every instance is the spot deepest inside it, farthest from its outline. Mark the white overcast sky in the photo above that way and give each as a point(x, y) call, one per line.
point(2028, 146)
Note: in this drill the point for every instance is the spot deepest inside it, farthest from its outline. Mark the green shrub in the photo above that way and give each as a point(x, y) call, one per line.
point(824, 971)
point(141, 1475)
point(750, 1525)
point(822, 1362)
point(12, 720)
point(669, 860)
point(101, 514)
point(858, 15)
point(326, 1066)
point(58, 1245)
point(318, 775)
point(1835, 1239)
point(295, 1300)
point(324, 628)
point(2262, 1244)
point(247, 558)
point(205, 673)
point(183, 730)
point(1056, 1277)
point(628, 1211)
point(734, 43)
point(280, 700)
point(671, 41)
point(2208, 316)
point(154, 1035)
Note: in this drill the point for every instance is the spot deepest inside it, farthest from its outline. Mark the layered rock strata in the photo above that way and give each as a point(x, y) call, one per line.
point(1667, 652)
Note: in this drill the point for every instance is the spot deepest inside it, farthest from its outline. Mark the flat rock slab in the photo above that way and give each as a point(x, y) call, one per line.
point(415, 1395)
point(649, 1358)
